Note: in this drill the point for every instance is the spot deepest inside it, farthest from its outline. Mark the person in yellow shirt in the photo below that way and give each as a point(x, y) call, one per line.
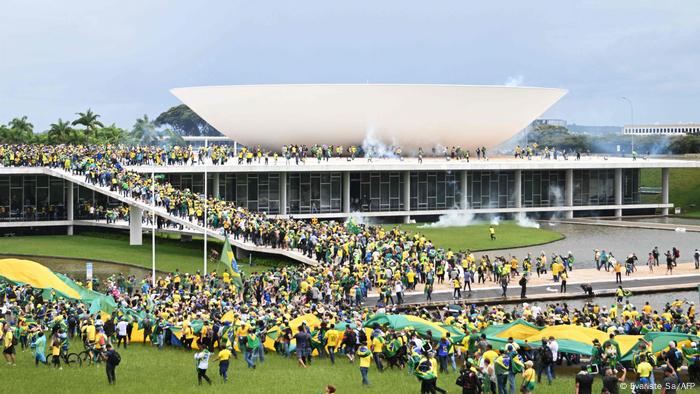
point(332, 336)
point(529, 378)
point(9, 345)
point(365, 356)
point(90, 332)
point(223, 357)
point(489, 354)
point(56, 353)
point(377, 348)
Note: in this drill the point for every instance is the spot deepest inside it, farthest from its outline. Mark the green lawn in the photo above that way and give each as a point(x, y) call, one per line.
point(684, 185)
point(171, 253)
point(144, 369)
point(476, 237)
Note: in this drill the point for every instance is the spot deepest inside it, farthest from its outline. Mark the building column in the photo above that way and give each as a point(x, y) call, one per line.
point(464, 203)
point(665, 172)
point(70, 206)
point(135, 230)
point(215, 185)
point(283, 193)
point(618, 191)
point(518, 188)
point(346, 192)
point(569, 193)
point(407, 195)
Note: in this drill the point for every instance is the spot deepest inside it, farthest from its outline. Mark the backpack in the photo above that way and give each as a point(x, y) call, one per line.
point(116, 358)
point(467, 380)
point(547, 356)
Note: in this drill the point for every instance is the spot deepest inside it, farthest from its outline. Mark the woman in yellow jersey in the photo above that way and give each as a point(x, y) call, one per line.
point(529, 378)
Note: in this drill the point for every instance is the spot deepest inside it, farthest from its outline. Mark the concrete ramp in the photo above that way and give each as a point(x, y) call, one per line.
point(161, 212)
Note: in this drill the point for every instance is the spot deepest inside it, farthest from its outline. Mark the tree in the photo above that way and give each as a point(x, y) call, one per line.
point(112, 134)
point(185, 122)
point(144, 132)
point(559, 138)
point(19, 131)
point(88, 119)
point(685, 144)
point(60, 132)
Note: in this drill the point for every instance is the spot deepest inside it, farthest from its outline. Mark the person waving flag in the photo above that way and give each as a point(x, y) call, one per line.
point(229, 259)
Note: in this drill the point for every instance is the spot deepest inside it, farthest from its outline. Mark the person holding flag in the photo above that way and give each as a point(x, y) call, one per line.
point(229, 260)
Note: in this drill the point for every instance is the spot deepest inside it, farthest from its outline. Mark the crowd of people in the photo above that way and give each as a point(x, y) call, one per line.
point(192, 309)
point(353, 260)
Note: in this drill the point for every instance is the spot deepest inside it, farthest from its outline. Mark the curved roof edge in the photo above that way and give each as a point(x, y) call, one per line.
point(409, 115)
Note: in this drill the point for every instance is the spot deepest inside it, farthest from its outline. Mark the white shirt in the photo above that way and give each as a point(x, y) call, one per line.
point(121, 328)
point(203, 358)
point(554, 347)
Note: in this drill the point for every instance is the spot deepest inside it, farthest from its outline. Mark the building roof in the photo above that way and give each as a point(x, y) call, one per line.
point(405, 115)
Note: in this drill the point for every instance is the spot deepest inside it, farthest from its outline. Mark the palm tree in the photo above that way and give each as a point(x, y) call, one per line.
point(144, 132)
point(60, 132)
point(89, 120)
point(112, 134)
point(20, 131)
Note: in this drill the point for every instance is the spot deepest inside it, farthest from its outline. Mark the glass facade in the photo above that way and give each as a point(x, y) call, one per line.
point(87, 199)
point(543, 188)
point(41, 197)
point(594, 187)
point(490, 189)
point(630, 186)
point(435, 190)
point(32, 197)
point(376, 191)
point(192, 181)
point(314, 192)
point(257, 192)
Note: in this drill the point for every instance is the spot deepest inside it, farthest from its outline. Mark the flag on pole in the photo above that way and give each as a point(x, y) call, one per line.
point(229, 259)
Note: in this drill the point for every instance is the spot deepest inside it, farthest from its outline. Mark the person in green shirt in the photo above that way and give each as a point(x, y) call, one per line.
point(39, 346)
point(252, 344)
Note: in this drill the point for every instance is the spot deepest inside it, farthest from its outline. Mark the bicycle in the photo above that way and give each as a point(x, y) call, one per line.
point(90, 355)
point(71, 358)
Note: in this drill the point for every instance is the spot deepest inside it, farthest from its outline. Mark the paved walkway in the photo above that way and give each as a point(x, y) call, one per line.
point(683, 274)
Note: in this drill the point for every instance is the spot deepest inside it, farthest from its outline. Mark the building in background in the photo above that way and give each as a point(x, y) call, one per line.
point(662, 129)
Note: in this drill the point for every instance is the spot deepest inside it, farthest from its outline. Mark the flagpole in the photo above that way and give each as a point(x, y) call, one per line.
point(206, 181)
point(153, 230)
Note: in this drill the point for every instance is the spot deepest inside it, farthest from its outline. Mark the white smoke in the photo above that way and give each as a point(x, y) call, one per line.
point(514, 80)
point(495, 220)
point(556, 194)
point(376, 148)
point(356, 217)
point(523, 221)
point(452, 219)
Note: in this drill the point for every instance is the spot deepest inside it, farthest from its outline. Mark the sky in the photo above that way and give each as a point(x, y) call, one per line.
point(120, 58)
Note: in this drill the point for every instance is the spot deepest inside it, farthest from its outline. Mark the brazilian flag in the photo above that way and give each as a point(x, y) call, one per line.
point(352, 227)
point(229, 260)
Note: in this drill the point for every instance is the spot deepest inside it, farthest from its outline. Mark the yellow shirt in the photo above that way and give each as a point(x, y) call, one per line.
point(90, 333)
point(529, 375)
point(377, 345)
point(490, 355)
point(366, 361)
point(332, 337)
point(224, 355)
point(55, 350)
point(644, 369)
point(7, 339)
